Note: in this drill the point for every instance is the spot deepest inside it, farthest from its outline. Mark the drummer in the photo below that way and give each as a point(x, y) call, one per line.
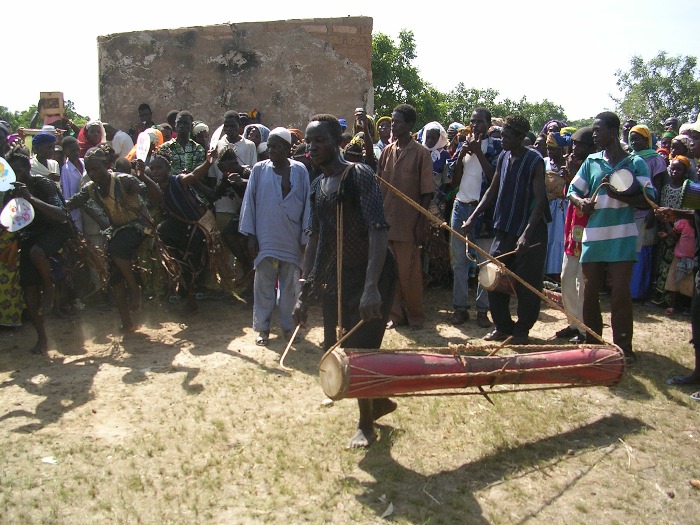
point(610, 237)
point(368, 270)
point(521, 214)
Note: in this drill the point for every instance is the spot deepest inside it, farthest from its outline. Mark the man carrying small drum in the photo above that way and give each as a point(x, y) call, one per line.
point(610, 237)
point(520, 218)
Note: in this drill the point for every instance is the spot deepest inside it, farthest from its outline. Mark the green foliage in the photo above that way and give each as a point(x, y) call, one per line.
point(23, 119)
point(397, 80)
point(462, 101)
point(665, 86)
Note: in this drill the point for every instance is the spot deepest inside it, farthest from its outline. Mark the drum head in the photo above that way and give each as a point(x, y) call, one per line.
point(488, 274)
point(624, 181)
point(333, 374)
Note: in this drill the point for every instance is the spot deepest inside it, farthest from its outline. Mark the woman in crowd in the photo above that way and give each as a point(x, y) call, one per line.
point(640, 141)
point(670, 198)
point(90, 135)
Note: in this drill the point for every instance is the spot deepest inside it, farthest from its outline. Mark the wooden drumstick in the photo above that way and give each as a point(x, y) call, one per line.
point(508, 253)
point(595, 193)
point(289, 345)
point(652, 204)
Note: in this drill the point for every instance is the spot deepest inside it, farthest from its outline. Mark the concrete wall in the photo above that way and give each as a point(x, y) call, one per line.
point(289, 70)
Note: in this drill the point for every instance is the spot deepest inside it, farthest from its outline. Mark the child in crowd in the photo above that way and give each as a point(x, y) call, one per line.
point(680, 279)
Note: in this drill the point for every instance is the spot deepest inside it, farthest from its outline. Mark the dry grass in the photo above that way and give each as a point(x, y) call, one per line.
point(192, 423)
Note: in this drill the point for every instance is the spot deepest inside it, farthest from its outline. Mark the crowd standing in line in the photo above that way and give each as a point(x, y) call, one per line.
point(271, 197)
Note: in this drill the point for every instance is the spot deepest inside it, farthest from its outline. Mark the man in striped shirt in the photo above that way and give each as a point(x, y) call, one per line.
point(610, 237)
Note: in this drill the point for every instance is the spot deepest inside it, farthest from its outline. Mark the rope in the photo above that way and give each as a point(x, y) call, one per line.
point(495, 261)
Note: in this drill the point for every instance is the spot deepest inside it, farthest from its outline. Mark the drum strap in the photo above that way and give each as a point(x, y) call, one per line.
point(339, 251)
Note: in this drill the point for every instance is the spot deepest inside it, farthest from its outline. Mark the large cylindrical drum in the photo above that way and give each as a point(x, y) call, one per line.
point(370, 374)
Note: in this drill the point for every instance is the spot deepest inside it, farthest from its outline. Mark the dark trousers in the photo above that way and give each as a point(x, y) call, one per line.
point(371, 333)
point(695, 322)
point(529, 266)
point(621, 319)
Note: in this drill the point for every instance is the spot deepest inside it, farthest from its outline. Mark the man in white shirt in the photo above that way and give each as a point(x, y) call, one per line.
point(42, 162)
point(475, 166)
point(121, 142)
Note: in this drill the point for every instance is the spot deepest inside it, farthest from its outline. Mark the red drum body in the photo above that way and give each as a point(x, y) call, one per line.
point(363, 374)
point(493, 279)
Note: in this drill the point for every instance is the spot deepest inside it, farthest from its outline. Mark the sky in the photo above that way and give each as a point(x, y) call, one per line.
point(567, 55)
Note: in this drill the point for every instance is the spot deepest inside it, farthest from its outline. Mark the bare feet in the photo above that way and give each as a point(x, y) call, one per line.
point(135, 299)
point(47, 299)
point(363, 438)
point(41, 347)
point(128, 328)
point(382, 407)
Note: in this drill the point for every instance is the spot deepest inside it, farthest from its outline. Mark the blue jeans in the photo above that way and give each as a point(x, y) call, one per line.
point(460, 264)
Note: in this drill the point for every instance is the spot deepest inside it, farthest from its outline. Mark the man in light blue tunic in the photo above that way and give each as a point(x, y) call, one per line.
point(610, 238)
point(274, 212)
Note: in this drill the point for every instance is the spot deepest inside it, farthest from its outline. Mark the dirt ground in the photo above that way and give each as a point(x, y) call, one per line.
point(187, 421)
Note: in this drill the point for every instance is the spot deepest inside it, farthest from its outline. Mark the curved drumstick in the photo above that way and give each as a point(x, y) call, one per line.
point(652, 204)
point(595, 193)
point(507, 253)
point(289, 345)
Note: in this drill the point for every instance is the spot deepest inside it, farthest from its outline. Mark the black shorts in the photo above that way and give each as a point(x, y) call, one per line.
point(50, 241)
point(125, 243)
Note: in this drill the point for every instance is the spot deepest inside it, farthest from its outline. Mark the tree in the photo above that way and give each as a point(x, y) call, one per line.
point(398, 81)
point(21, 119)
point(461, 102)
point(665, 86)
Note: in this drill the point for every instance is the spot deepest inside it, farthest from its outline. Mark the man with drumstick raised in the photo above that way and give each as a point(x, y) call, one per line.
point(610, 237)
point(364, 289)
point(520, 219)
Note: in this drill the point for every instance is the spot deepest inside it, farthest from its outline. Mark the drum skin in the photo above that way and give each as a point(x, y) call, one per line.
point(493, 279)
point(370, 374)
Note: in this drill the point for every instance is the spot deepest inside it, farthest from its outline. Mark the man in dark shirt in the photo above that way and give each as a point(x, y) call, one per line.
point(520, 221)
point(368, 268)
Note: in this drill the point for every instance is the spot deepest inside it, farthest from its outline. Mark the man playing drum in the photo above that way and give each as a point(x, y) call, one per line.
point(366, 285)
point(520, 221)
point(610, 237)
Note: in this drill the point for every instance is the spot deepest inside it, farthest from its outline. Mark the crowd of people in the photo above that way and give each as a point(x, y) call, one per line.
point(289, 217)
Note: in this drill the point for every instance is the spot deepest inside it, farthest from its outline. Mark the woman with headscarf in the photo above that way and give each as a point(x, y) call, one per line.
point(256, 133)
point(434, 137)
point(642, 273)
point(670, 198)
point(90, 135)
point(680, 145)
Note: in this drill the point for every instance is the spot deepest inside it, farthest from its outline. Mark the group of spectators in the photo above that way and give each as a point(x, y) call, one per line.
point(248, 199)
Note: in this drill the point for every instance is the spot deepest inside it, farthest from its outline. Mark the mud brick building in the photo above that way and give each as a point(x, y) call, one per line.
point(288, 70)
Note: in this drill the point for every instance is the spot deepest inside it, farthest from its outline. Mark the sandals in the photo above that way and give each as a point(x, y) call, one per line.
point(263, 339)
point(695, 396)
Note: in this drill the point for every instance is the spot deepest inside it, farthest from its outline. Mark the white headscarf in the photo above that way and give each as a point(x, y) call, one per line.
point(440, 144)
